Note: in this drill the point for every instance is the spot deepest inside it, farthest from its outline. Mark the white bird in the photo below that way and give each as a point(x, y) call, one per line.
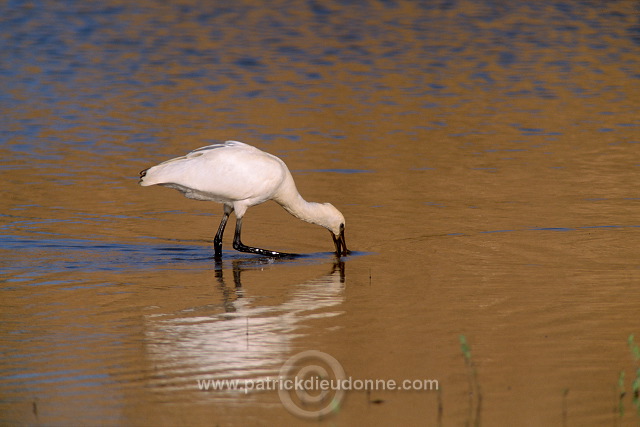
point(240, 176)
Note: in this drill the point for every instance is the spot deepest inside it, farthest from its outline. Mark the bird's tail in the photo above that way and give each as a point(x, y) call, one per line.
point(162, 173)
point(143, 175)
point(152, 176)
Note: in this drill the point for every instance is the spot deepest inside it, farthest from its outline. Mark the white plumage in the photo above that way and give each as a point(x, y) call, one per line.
point(240, 176)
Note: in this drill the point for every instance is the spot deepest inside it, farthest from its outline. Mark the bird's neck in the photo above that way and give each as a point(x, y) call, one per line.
point(301, 209)
point(292, 202)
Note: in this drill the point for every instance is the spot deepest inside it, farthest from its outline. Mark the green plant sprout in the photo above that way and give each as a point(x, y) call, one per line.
point(635, 384)
point(474, 386)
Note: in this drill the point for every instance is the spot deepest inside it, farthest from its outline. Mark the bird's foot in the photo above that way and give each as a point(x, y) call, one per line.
point(265, 252)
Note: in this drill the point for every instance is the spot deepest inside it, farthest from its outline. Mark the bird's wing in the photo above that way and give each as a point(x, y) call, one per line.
point(203, 150)
point(199, 151)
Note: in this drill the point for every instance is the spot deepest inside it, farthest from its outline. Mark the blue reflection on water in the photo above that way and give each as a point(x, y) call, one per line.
point(84, 59)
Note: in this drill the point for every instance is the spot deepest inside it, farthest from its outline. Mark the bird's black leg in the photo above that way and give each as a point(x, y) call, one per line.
point(217, 241)
point(239, 246)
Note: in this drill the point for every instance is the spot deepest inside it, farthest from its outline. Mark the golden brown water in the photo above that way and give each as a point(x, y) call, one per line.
point(485, 156)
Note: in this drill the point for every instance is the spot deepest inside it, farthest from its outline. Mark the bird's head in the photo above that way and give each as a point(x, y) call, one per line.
point(335, 224)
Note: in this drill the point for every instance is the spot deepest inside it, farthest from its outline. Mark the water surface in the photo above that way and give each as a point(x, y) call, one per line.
point(485, 156)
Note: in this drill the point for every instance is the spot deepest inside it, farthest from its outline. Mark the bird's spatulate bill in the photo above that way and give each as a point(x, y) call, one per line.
point(341, 244)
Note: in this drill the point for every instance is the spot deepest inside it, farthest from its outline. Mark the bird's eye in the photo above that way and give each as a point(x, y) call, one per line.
point(341, 227)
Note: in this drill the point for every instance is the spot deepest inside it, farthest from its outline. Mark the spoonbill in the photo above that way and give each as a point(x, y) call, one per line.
point(239, 176)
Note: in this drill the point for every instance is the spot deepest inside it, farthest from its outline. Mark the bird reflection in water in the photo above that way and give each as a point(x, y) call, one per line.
point(239, 337)
point(230, 295)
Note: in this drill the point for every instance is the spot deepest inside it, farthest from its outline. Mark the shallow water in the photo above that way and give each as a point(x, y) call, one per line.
point(485, 156)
